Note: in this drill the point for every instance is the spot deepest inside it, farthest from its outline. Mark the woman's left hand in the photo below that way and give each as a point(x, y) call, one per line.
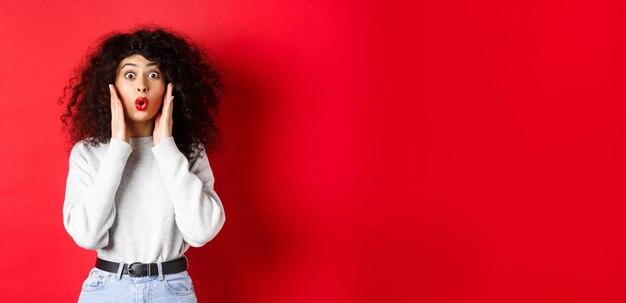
point(163, 122)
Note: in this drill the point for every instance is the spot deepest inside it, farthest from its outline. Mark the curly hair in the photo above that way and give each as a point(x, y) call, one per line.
point(198, 88)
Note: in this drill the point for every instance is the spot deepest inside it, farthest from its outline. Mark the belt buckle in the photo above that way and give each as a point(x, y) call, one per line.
point(134, 270)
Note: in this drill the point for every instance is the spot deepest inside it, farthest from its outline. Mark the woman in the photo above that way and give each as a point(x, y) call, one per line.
point(141, 119)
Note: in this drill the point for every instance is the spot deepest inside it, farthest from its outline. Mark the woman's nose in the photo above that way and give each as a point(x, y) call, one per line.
point(142, 87)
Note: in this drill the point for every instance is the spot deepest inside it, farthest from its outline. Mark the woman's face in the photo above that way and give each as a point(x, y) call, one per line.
point(137, 77)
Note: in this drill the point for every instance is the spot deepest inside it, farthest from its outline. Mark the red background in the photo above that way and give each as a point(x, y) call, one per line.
point(443, 151)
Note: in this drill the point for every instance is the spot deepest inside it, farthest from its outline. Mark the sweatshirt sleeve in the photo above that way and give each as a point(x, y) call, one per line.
point(199, 213)
point(89, 206)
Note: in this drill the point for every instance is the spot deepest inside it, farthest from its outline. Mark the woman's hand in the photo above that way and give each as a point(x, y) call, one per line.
point(118, 124)
point(163, 122)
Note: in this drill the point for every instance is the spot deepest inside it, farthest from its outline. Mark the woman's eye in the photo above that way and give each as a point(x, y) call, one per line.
point(129, 75)
point(153, 75)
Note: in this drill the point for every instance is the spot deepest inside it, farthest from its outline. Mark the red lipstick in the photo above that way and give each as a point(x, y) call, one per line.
point(141, 103)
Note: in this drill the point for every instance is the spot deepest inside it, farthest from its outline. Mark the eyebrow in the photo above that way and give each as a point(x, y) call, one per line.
point(133, 64)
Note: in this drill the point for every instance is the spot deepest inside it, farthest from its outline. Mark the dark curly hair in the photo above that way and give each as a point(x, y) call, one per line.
point(198, 88)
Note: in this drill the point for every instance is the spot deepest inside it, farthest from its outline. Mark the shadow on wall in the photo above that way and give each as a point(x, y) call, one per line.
point(250, 244)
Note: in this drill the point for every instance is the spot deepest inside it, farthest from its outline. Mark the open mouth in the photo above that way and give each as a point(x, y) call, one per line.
point(141, 103)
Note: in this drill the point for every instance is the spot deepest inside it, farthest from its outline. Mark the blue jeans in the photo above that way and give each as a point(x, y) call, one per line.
point(103, 286)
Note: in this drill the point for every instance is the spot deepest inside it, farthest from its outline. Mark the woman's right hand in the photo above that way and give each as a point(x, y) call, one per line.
point(118, 124)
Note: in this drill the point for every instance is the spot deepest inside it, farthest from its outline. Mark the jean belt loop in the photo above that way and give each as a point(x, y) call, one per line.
point(160, 266)
point(120, 270)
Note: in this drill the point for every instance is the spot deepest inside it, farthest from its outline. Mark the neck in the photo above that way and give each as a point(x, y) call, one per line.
point(140, 129)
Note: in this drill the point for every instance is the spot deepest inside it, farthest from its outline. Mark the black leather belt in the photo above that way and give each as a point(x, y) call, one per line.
point(138, 269)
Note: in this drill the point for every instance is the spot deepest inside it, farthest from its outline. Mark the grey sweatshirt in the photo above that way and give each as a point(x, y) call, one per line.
point(140, 202)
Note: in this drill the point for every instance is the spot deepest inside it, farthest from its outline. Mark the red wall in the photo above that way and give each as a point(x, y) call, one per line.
point(444, 151)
